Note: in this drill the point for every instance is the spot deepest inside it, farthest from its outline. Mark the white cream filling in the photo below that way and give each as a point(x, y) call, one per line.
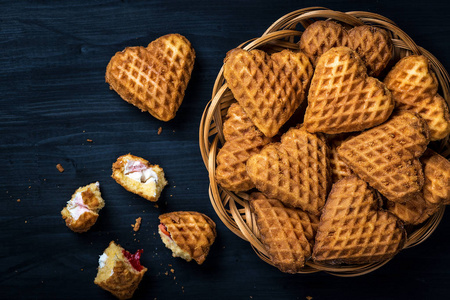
point(76, 206)
point(140, 172)
point(102, 260)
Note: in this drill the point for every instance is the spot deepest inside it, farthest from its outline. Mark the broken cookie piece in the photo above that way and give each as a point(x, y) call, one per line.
point(138, 176)
point(82, 209)
point(119, 271)
point(188, 234)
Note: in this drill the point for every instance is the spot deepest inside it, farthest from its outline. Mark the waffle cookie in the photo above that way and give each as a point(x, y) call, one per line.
point(387, 156)
point(352, 230)
point(414, 87)
point(138, 176)
point(243, 140)
point(119, 271)
point(287, 233)
point(188, 234)
point(321, 36)
point(415, 210)
point(295, 171)
point(237, 124)
point(269, 88)
point(342, 98)
point(338, 167)
point(436, 188)
point(373, 45)
point(155, 78)
point(82, 209)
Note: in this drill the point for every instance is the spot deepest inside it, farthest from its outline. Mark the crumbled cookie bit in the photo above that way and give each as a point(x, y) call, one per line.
point(89, 140)
point(172, 270)
point(137, 225)
point(309, 298)
point(167, 273)
point(60, 168)
point(159, 130)
point(18, 200)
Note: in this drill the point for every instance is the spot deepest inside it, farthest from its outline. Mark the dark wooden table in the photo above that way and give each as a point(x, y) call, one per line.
point(54, 99)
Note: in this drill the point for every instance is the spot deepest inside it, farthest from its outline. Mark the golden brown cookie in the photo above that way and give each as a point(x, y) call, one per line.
point(387, 156)
point(269, 88)
point(295, 171)
point(243, 140)
point(154, 78)
point(436, 188)
point(188, 234)
point(353, 230)
point(287, 233)
point(82, 209)
point(373, 45)
point(414, 87)
point(321, 36)
point(119, 271)
point(138, 176)
point(342, 97)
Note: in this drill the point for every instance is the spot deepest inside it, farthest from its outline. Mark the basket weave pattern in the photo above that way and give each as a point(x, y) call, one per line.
point(233, 208)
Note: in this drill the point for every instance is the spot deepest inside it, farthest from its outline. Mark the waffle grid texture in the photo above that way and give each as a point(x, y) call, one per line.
point(352, 230)
point(155, 78)
point(287, 233)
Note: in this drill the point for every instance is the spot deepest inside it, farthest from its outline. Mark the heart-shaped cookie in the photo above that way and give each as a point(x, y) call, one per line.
point(321, 36)
point(295, 171)
point(414, 87)
point(243, 140)
point(342, 97)
point(269, 88)
point(373, 45)
point(352, 230)
point(155, 78)
point(436, 169)
point(287, 233)
point(387, 156)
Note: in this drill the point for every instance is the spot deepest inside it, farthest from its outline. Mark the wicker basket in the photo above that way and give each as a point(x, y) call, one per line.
point(233, 208)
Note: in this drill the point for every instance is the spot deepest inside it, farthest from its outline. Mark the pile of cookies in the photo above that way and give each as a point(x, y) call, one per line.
point(344, 184)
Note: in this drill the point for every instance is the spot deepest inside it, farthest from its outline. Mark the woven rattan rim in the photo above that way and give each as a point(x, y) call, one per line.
point(232, 208)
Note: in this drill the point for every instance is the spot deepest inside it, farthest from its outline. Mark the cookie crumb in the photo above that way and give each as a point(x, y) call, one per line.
point(155, 206)
point(89, 140)
point(167, 273)
point(137, 225)
point(18, 200)
point(159, 130)
point(60, 168)
point(172, 270)
point(309, 298)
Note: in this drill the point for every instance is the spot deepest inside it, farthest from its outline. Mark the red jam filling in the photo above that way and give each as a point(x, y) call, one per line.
point(163, 229)
point(134, 259)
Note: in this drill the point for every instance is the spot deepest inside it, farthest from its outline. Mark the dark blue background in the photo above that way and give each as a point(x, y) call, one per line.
point(54, 98)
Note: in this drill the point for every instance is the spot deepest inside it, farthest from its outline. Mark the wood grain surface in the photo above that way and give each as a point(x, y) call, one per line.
point(54, 99)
